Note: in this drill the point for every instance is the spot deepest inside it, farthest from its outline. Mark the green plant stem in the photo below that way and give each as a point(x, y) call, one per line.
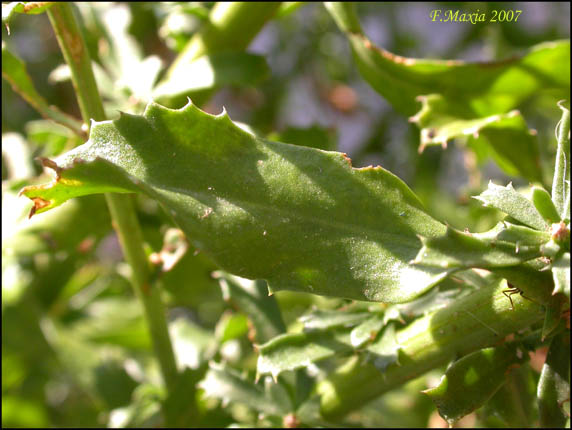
point(562, 168)
point(231, 27)
point(477, 321)
point(125, 221)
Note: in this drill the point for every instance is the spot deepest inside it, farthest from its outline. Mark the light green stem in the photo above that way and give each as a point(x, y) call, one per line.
point(125, 221)
point(479, 320)
point(560, 189)
point(231, 27)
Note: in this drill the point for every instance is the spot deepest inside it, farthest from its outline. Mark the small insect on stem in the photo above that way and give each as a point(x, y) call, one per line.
point(513, 290)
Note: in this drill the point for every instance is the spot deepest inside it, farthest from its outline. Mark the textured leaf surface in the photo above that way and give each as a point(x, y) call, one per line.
point(464, 250)
point(514, 204)
point(471, 381)
point(301, 218)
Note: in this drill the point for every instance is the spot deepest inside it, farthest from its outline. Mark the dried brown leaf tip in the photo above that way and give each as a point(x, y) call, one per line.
point(39, 203)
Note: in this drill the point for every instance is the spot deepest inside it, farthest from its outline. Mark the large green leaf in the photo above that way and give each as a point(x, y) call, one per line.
point(301, 218)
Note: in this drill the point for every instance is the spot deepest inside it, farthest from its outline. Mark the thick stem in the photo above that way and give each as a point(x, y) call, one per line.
point(561, 190)
point(125, 221)
point(231, 27)
point(479, 320)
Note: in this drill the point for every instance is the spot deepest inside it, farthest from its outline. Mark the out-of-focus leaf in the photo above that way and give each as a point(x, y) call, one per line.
point(561, 274)
point(553, 315)
point(53, 137)
point(24, 7)
point(180, 406)
point(21, 412)
point(554, 384)
point(224, 383)
point(16, 154)
point(114, 321)
point(122, 57)
point(513, 145)
point(73, 228)
point(14, 71)
point(294, 350)
point(483, 88)
point(251, 297)
point(211, 72)
point(321, 319)
point(196, 9)
point(287, 7)
point(469, 382)
point(143, 411)
point(231, 326)
point(463, 250)
point(385, 350)
point(513, 404)
point(98, 371)
point(302, 218)
point(192, 344)
point(366, 331)
point(513, 203)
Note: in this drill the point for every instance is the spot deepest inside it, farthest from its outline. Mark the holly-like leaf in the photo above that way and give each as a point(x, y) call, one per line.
point(484, 88)
point(321, 320)
point(226, 384)
point(251, 297)
point(455, 249)
point(512, 144)
point(295, 350)
point(514, 204)
point(301, 218)
point(471, 381)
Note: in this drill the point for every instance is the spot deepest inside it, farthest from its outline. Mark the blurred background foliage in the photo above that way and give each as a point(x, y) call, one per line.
point(75, 349)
